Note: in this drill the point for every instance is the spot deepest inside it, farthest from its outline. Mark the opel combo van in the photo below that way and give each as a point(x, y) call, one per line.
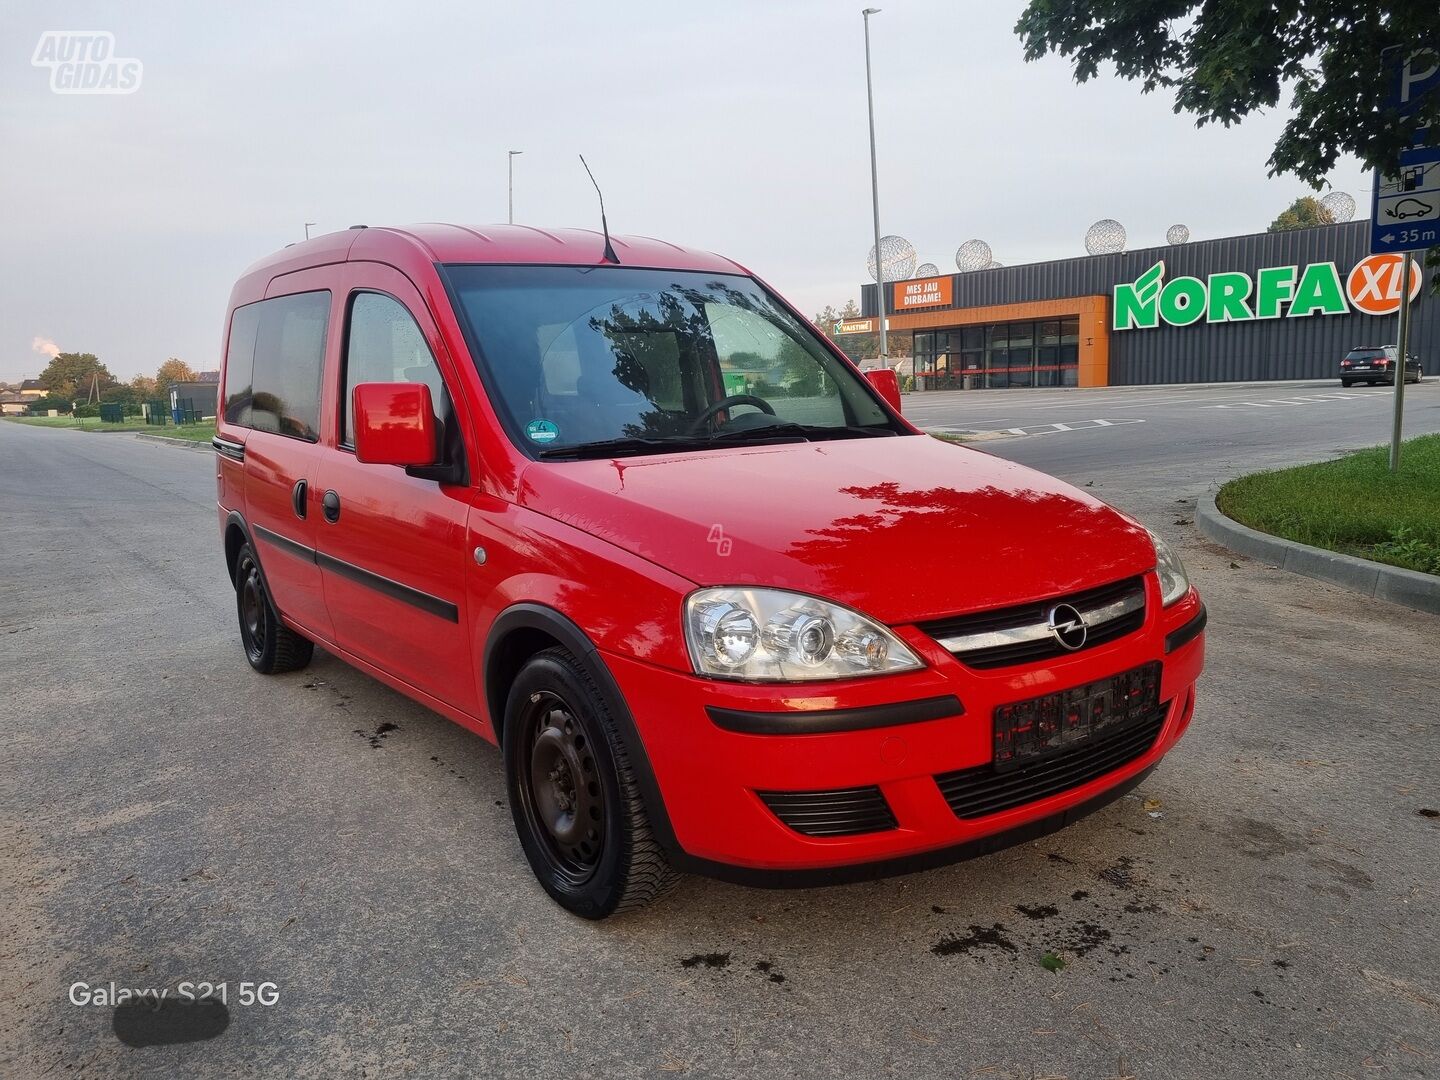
point(624, 512)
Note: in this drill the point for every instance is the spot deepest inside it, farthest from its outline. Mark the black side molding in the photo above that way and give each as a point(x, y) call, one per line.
point(433, 605)
point(444, 609)
point(825, 721)
point(1187, 633)
point(235, 451)
point(284, 543)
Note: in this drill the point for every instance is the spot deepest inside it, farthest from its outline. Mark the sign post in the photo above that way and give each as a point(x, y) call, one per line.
point(1403, 339)
point(1405, 209)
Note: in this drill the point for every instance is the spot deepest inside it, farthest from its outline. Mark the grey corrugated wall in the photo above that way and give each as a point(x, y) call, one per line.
point(1305, 348)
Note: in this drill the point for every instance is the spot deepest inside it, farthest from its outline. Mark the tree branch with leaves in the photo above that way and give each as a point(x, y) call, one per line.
point(1226, 59)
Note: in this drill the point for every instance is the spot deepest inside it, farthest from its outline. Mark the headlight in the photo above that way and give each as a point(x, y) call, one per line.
point(1174, 582)
point(767, 635)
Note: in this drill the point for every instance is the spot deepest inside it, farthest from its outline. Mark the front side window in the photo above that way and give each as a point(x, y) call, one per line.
point(384, 344)
point(580, 356)
point(274, 365)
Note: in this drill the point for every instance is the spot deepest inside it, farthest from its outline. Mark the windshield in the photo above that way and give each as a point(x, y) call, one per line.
point(634, 361)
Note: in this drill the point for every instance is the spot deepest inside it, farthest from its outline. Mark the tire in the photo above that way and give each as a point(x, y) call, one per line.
point(271, 647)
point(590, 846)
point(1347, 383)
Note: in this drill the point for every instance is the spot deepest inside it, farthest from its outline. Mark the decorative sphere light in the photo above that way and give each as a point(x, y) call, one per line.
point(1177, 234)
point(973, 255)
point(897, 258)
point(995, 264)
point(927, 270)
point(1339, 205)
point(1105, 237)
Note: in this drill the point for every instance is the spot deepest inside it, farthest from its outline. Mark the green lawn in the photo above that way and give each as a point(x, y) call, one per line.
point(1353, 505)
point(201, 432)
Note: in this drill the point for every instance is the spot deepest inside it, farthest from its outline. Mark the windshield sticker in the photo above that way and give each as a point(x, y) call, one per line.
point(541, 431)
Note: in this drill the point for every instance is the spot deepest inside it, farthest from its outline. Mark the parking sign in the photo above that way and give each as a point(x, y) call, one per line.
point(1405, 207)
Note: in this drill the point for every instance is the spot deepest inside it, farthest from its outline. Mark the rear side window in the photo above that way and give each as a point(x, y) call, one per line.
point(278, 390)
point(240, 364)
point(385, 345)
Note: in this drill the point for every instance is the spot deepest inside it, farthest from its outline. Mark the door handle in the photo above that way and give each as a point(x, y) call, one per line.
point(297, 499)
point(331, 505)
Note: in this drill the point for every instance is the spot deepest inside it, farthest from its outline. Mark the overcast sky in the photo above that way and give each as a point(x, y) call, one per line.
point(737, 127)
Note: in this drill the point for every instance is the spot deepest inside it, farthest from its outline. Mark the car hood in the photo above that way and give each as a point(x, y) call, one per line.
point(903, 529)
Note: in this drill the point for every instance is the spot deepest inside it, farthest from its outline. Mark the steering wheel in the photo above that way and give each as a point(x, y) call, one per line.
point(701, 421)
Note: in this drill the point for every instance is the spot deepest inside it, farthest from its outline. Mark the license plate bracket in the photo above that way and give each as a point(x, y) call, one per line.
point(1041, 727)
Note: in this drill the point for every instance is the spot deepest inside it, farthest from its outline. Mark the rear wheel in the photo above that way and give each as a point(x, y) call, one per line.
point(1347, 383)
point(573, 794)
point(271, 647)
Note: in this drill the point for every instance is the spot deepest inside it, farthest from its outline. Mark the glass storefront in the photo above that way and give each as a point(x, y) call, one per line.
point(1043, 352)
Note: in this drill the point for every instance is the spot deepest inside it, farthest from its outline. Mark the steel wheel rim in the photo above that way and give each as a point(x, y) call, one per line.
point(561, 793)
point(253, 614)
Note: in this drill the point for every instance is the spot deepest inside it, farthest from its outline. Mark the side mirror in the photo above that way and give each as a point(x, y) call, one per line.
point(884, 380)
point(394, 424)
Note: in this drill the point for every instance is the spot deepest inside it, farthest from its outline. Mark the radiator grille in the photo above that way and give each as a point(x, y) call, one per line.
point(1131, 590)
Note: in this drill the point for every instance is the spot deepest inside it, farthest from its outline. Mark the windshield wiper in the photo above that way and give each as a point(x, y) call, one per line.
point(807, 432)
point(623, 447)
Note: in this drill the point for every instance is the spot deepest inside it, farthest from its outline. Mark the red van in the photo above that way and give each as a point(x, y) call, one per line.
point(637, 522)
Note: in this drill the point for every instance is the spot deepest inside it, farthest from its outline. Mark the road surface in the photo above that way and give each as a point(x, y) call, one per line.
point(1264, 905)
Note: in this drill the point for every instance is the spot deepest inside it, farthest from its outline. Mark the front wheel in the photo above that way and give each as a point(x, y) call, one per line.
point(573, 793)
point(271, 647)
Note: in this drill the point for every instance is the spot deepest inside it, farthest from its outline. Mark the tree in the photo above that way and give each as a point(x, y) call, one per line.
point(1304, 213)
point(1225, 59)
point(144, 388)
point(172, 371)
point(70, 375)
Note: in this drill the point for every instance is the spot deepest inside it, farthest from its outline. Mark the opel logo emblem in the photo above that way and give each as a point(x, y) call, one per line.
point(1067, 626)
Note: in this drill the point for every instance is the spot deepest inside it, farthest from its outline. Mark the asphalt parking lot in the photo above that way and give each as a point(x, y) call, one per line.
point(1264, 905)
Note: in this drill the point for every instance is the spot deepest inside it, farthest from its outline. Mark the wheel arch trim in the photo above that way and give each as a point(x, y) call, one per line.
point(236, 520)
point(538, 617)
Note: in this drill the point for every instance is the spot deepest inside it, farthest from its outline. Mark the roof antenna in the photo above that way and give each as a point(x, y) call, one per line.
point(610, 255)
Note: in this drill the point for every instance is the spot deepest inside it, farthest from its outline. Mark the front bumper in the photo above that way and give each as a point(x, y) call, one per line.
point(709, 775)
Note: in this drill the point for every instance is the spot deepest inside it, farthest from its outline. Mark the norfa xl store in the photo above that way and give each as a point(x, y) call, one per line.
point(1267, 306)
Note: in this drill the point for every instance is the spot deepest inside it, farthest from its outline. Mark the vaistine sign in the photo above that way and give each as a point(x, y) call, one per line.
point(1371, 288)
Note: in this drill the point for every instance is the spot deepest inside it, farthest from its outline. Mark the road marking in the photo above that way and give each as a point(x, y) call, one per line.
point(1317, 399)
point(1073, 425)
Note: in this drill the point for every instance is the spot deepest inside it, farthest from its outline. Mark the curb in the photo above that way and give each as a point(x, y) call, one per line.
point(1408, 588)
point(165, 440)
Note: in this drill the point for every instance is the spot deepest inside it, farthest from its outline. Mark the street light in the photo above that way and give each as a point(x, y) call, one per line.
point(510, 163)
point(875, 192)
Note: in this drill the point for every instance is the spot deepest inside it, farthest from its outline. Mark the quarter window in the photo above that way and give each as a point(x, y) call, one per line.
point(385, 345)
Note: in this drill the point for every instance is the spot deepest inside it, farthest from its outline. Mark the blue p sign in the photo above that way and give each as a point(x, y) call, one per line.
point(1418, 76)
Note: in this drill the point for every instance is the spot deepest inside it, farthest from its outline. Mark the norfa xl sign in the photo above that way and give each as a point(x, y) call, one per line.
point(1372, 288)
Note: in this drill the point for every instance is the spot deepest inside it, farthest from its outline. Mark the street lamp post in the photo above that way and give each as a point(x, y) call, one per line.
point(510, 162)
point(875, 193)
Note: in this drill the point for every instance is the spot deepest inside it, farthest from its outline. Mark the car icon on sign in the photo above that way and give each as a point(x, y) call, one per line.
point(1408, 208)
